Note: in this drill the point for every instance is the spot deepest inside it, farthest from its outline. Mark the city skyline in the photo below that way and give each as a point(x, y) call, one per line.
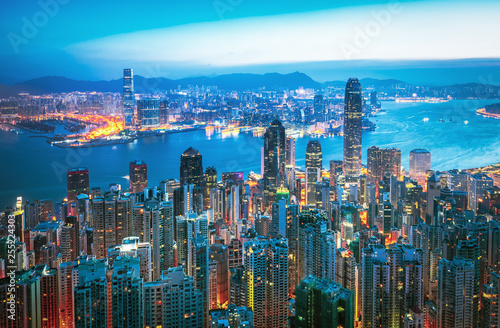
point(360, 191)
point(370, 39)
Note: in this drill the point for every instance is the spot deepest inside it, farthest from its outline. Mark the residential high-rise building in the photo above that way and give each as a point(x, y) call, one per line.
point(127, 291)
point(154, 224)
point(274, 160)
point(31, 300)
point(322, 303)
point(198, 268)
point(353, 128)
point(164, 112)
point(266, 278)
point(490, 302)
point(188, 227)
point(132, 247)
point(148, 113)
point(457, 180)
point(111, 221)
point(469, 250)
point(382, 160)
point(335, 169)
point(77, 183)
point(316, 250)
point(234, 317)
point(91, 294)
point(209, 183)
point(128, 97)
point(478, 184)
point(138, 175)
point(420, 163)
point(455, 293)
point(69, 242)
point(319, 108)
point(391, 284)
point(220, 255)
point(182, 303)
point(191, 169)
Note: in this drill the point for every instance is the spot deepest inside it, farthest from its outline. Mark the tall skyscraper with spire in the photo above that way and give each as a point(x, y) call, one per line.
point(128, 97)
point(352, 128)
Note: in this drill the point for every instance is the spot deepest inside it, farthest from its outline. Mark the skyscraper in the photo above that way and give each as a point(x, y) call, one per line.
point(455, 293)
point(274, 160)
point(77, 182)
point(163, 112)
point(314, 164)
point(478, 184)
point(127, 293)
point(191, 171)
point(91, 294)
point(266, 277)
point(182, 303)
point(353, 128)
point(69, 240)
point(322, 303)
point(197, 267)
point(128, 97)
point(319, 108)
point(392, 283)
point(138, 174)
point(489, 302)
point(148, 113)
point(111, 221)
point(209, 183)
point(290, 151)
point(420, 162)
point(314, 156)
point(382, 160)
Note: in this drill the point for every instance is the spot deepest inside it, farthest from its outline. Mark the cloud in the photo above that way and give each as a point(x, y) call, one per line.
point(426, 30)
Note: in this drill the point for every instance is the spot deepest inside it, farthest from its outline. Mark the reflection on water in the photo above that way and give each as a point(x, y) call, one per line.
point(35, 170)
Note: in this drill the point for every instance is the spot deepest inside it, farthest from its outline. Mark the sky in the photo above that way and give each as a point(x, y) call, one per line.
point(433, 42)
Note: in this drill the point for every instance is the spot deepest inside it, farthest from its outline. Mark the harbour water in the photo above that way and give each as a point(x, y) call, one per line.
point(455, 135)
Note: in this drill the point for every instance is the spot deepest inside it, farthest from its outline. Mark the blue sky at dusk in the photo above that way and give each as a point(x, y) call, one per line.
point(418, 41)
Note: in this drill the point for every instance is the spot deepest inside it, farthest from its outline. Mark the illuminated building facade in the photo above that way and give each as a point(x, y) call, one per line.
point(274, 160)
point(77, 182)
point(148, 113)
point(128, 97)
point(420, 163)
point(266, 277)
point(478, 184)
point(138, 174)
point(455, 293)
point(353, 128)
point(290, 151)
point(322, 303)
point(191, 171)
point(382, 160)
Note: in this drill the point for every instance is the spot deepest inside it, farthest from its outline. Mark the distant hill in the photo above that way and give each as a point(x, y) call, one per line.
point(58, 84)
point(268, 81)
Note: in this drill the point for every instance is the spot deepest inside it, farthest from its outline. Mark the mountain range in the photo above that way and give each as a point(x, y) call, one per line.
point(237, 81)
